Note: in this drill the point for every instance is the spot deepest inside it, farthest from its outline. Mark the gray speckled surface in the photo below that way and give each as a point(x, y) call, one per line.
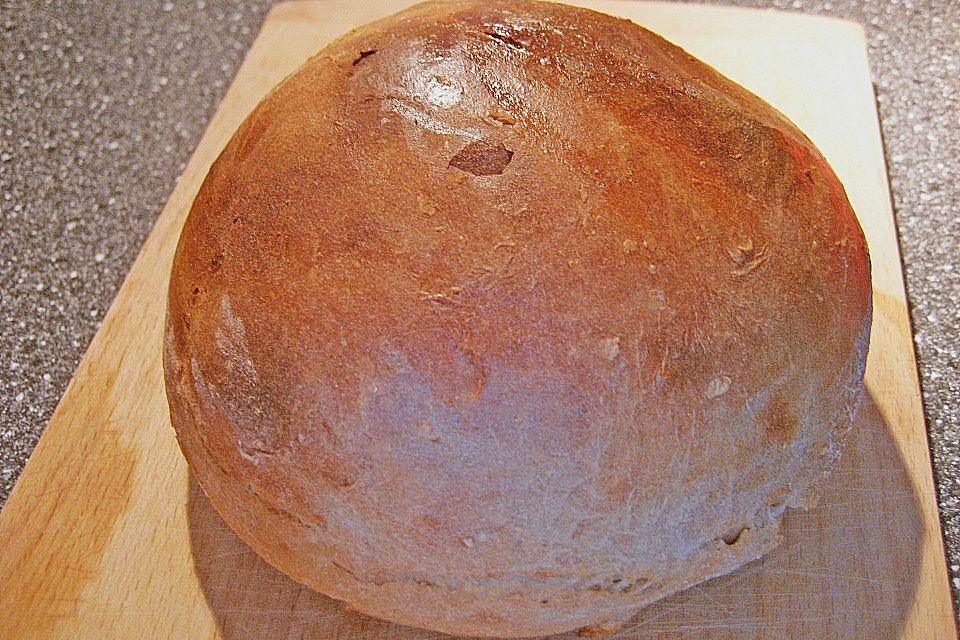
point(101, 104)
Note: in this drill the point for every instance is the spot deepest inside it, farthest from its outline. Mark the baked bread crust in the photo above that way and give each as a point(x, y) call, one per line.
point(508, 318)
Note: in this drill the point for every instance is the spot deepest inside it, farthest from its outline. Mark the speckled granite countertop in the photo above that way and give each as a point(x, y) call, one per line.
point(102, 103)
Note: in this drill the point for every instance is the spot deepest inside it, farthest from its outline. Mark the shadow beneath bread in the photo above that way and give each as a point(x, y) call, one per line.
point(847, 570)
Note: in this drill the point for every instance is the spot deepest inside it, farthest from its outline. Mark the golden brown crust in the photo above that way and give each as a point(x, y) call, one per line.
point(508, 318)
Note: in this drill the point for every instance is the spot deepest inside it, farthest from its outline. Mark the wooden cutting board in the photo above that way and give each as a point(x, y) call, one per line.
point(107, 536)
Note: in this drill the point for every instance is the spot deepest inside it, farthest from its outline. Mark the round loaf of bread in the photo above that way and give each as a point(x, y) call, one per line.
point(508, 318)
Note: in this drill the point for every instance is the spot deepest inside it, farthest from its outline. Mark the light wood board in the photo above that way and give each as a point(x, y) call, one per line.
point(106, 535)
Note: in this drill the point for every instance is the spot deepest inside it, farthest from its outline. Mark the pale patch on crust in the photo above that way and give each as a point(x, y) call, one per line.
point(231, 340)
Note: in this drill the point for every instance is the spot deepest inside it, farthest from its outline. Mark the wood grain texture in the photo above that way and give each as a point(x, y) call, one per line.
point(106, 536)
